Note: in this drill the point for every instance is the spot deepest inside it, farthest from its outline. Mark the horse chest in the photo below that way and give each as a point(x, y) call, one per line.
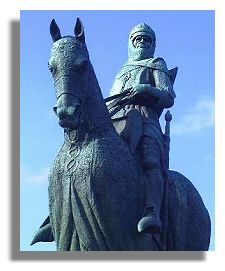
point(77, 166)
point(96, 168)
point(82, 166)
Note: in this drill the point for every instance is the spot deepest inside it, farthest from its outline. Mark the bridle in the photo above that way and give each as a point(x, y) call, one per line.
point(67, 93)
point(81, 98)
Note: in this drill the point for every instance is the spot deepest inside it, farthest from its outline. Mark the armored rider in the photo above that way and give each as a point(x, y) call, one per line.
point(148, 88)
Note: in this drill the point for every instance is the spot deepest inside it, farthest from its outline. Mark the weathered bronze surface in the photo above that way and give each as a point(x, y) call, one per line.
point(110, 187)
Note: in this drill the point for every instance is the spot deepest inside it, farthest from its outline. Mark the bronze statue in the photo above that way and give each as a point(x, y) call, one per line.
point(151, 90)
point(97, 184)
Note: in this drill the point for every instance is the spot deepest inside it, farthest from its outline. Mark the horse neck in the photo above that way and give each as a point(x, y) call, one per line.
point(96, 119)
point(95, 111)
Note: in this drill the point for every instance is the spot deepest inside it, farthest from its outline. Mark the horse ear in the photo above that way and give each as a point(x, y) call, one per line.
point(79, 30)
point(54, 31)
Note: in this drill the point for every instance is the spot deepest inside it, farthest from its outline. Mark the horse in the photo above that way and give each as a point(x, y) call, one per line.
point(96, 185)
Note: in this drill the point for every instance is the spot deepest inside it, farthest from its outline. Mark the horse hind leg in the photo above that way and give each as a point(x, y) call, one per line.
point(189, 221)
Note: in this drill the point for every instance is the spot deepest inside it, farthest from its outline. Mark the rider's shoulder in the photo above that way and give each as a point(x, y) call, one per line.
point(159, 62)
point(124, 72)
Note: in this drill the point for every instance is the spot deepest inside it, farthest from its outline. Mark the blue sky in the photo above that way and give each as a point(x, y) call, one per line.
point(184, 39)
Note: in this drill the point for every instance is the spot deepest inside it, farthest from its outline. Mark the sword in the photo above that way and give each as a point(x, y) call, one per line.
point(168, 118)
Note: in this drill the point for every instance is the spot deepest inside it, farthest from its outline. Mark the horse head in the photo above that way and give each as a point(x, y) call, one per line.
point(68, 64)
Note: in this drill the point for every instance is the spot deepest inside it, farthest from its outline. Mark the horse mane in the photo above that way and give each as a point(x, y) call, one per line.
point(95, 106)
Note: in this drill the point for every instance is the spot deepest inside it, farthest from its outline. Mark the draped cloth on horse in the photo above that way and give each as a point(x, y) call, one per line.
point(96, 184)
point(96, 204)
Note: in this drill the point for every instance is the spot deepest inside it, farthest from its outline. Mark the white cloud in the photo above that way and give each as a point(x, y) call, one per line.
point(198, 118)
point(40, 177)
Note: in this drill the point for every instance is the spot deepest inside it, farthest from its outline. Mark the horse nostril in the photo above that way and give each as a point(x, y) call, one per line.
point(63, 112)
point(55, 109)
point(60, 111)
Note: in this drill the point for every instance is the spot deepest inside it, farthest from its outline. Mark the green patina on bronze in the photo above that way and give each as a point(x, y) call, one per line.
point(110, 187)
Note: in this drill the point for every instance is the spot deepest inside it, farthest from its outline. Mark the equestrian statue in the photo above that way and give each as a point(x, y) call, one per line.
point(110, 187)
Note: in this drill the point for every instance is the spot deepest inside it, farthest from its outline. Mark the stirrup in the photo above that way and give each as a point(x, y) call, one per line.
point(150, 224)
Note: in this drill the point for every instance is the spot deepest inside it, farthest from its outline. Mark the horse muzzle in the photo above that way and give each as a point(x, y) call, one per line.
point(69, 117)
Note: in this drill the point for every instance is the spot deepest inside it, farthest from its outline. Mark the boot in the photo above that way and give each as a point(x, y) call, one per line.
point(150, 222)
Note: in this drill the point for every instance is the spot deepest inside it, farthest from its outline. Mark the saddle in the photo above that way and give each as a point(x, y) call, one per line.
point(130, 128)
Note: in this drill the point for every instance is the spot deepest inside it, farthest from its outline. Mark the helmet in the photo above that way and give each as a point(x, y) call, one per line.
point(142, 29)
point(141, 53)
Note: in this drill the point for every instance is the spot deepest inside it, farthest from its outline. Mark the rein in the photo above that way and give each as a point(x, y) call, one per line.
point(120, 95)
point(80, 97)
point(68, 93)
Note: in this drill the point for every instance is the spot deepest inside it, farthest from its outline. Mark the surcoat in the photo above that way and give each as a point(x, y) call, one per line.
point(142, 72)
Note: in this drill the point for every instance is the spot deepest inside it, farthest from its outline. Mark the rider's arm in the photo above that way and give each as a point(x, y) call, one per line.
point(163, 90)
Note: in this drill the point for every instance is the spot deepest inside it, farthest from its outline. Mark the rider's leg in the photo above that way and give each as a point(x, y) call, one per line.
point(151, 154)
point(150, 221)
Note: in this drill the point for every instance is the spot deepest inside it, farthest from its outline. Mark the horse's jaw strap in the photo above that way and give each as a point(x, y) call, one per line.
point(69, 93)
